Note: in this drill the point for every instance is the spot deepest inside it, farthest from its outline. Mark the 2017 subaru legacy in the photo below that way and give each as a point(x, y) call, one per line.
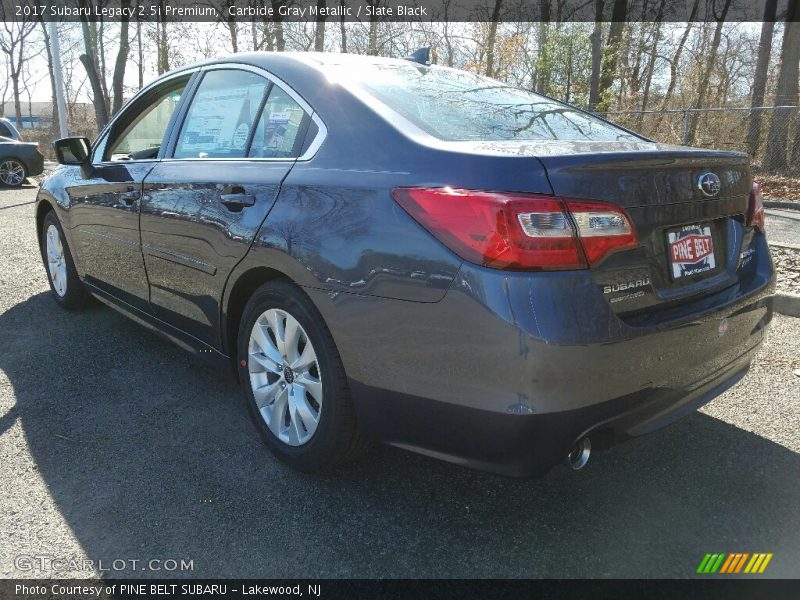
point(388, 250)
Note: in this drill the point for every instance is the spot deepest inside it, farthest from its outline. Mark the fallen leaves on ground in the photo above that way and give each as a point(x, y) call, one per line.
point(777, 187)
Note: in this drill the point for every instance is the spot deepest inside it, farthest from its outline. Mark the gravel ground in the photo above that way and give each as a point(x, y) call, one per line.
point(787, 264)
point(116, 445)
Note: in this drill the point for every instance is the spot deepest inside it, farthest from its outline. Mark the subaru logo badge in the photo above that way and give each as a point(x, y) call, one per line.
point(708, 183)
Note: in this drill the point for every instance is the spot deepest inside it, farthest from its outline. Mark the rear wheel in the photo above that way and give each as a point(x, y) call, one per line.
point(12, 172)
point(294, 381)
point(64, 281)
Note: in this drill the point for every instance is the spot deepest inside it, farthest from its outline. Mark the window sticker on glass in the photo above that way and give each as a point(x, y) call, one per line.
point(280, 117)
point(278, 127)
point(221, 115)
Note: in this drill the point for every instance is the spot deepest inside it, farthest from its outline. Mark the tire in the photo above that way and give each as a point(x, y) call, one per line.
point(12, 172)
point(65, 284)
point(289, 400)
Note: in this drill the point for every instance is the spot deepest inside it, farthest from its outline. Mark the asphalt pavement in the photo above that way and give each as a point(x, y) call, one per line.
point(117, 446)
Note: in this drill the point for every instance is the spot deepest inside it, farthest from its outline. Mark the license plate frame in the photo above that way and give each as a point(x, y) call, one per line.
point(690, 251)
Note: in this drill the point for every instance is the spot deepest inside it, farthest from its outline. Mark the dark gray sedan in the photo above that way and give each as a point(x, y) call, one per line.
point(388, 250)
point(18, 160)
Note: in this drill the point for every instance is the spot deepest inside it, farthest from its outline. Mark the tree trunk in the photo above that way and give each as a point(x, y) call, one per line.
point(651, 63)
point(785, 92)
point(706, 76)
point(492, 38)
point(342, 28)
point(280, 40)
point(55, 125)
point(597, 54)
point(542, 69)
point(17, 103)
point(121, 62)
point(90, 64)
point(99, 104)
point(611, 55)
point(234, 31)
point(372, 46)
point(141, 54)
point(319, 27)
point(100, 57)
point(163, 47)
point(760, 79)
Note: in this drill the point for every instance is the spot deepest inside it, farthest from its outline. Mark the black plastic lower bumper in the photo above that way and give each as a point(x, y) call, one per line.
point(529, 445)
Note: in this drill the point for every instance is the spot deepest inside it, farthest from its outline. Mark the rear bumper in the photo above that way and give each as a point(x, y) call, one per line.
point(530, 445)
point(509, 370)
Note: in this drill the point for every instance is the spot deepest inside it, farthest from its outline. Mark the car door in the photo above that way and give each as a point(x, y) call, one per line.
point(203, 204)
point(105, 198)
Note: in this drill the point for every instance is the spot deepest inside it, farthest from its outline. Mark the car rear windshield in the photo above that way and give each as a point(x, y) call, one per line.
point(456, 105)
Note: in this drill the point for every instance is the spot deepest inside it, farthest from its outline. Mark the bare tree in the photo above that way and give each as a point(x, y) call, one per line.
point(785, 91)
point(597, 54)
point(50, 72)
point(542, 69)
point(619, 13)
point(760, 76)
point(491, 39)
point(319, 28)
point(121, 61)
point(90, 63)
point(13, 38)
point(675, 63)
point(651, 61)
point(711, 56)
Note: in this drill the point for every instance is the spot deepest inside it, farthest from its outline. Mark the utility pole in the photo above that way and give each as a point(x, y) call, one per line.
point(55, 51)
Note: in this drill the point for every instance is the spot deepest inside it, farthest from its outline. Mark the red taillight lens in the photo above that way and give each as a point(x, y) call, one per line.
point(519, 231)
point(755, 214)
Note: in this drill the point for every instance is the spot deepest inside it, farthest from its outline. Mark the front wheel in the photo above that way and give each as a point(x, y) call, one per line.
point(294, 382)
point(64, 281)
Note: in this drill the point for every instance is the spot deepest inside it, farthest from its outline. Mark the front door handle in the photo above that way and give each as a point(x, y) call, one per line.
point(239, 201)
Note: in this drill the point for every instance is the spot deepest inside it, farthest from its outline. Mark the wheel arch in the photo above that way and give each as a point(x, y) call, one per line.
point(43, 206)
point(241, 290)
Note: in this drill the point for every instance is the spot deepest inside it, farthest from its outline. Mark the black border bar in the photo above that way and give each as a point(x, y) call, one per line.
point(364, 11)
point(727, 588)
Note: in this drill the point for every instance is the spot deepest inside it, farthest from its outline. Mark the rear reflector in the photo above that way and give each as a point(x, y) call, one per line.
point(755, 213)
point(522, 232)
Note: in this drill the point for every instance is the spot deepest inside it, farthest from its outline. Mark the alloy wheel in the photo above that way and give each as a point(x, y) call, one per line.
point(285, 377)
point(12, 173)
point(56, 262)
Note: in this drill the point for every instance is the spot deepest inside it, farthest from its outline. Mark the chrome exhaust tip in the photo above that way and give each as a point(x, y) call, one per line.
point(579, 455)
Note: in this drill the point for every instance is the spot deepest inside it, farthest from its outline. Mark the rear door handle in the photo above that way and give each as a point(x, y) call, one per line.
point(237, 200)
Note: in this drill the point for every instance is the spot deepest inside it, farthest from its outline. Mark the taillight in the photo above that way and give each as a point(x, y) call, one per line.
point(519, 231)
point(755, 213)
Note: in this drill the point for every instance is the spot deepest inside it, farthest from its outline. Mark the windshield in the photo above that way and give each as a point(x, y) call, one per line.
point(456, 105)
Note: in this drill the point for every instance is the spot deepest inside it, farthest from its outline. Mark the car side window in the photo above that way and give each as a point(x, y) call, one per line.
point(220, 119)
point(5, 131)
point(278, 134)
point(141, 137)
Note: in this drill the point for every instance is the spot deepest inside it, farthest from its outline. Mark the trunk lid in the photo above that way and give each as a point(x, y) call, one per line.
point(691, 241)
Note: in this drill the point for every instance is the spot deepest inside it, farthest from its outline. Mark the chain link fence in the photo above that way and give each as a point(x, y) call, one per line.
point(770, 134)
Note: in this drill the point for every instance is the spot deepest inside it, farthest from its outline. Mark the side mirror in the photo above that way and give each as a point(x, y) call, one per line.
point(72, 150)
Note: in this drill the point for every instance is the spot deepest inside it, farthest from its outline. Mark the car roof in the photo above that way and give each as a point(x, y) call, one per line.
point(292, 62)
